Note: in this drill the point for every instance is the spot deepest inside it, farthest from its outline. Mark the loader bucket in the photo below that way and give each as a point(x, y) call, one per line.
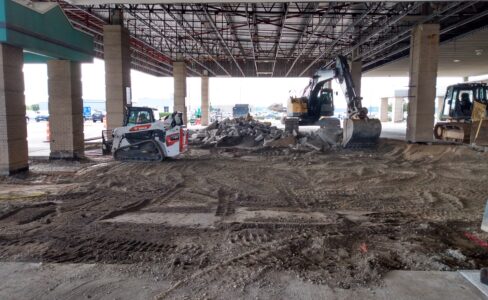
point(361, 133)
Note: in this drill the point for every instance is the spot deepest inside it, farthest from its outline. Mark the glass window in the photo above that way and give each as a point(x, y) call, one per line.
point(447, 107)
point(463, 104)
point(139, 117)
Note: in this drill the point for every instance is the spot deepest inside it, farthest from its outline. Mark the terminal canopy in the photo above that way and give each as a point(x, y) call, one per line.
point(43, 31)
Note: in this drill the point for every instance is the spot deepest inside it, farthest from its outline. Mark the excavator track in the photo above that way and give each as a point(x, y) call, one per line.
point(148, 150)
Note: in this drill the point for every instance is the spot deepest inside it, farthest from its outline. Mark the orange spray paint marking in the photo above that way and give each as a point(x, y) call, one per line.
point(363, 248)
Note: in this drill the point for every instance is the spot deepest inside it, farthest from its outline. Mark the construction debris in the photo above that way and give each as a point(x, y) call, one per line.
point(247, 132)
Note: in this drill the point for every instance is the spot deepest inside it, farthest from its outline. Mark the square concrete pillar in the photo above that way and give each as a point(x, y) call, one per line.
point(65, 109)
point(179, 79)
point(424, 54)
point(397, 115)
point(117, 73)
point(384, 110)
point(13, 128)
point(205, 104)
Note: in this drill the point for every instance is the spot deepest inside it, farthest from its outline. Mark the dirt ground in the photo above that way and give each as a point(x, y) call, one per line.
point(220, 219)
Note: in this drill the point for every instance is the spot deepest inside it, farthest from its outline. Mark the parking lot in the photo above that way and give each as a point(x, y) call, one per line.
point(37, 136)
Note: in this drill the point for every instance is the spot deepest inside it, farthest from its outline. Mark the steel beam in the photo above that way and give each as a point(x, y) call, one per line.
point(224, 44)
point(280, 32)
point(252, 41)
point(442, 31)
point(405, 34)
point(351, 26)
point(191, 34)
point(100, 2)
point(307, 23)
point(135, 15)
point(324, 18)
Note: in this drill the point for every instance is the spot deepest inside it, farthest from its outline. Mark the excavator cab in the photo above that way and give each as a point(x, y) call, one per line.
point(326, 102)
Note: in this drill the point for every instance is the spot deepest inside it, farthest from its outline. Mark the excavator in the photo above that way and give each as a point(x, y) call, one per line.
point(317, 103)
point(143, 138)
point(463, 114)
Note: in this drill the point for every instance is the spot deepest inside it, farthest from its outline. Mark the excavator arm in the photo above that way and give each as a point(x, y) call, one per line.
point(343, 76)
point(358, 130)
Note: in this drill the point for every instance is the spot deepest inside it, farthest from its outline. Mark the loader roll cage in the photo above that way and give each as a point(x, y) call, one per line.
point(139, 115)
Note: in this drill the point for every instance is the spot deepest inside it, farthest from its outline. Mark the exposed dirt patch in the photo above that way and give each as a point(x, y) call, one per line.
point(229, 216)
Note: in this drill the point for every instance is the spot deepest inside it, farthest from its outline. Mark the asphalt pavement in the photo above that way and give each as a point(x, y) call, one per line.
point(38, 141)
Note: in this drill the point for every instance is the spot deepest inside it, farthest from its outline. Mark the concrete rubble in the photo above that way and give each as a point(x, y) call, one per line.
point(247, 132)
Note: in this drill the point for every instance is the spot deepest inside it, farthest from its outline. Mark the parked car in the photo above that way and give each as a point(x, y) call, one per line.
point(41, 117)
point(97, 116)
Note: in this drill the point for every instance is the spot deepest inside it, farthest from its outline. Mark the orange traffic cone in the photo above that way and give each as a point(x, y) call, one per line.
point(48, 132)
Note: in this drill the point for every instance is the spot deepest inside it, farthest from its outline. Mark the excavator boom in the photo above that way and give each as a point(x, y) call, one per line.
point(359, 131)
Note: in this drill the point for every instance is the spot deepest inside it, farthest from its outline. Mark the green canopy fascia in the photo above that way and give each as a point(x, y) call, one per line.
point(43, 31)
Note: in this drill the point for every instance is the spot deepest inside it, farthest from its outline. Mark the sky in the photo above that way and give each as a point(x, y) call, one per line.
point(223, 91)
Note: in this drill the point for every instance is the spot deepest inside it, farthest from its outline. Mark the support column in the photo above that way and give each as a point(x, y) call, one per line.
point(117, 73)
point(384, 110)
point(179, 77)
point(356, 73)
point(397, 113)
point(440, 106)
point(65, 109)
point(13, 127)
point(424, 52)
point(205, 105)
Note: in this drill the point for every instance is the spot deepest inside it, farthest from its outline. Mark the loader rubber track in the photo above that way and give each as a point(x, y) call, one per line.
point(143, 151)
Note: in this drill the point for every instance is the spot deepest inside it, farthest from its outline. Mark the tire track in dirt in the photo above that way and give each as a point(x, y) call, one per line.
point(263, 250)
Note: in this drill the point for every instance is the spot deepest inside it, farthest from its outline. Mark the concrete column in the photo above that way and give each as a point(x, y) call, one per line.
point(117, 73)
point(424, 52)
point(384, 110)
point(397, 113)
point(179, 78)
point(356, 71)
point(440, 106)
point(205, 105)
point(13, 127)
point(65, 109)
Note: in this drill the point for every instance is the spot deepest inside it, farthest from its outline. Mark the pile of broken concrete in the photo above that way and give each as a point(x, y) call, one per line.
point(247, 132)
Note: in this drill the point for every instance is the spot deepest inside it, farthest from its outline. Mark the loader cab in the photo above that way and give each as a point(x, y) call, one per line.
point(139, 115)
point(460, 98)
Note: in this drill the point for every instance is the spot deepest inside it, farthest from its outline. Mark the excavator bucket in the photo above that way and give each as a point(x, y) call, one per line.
point(361, 133)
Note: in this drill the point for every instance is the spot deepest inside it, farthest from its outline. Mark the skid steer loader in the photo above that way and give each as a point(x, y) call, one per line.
point(143, 138)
